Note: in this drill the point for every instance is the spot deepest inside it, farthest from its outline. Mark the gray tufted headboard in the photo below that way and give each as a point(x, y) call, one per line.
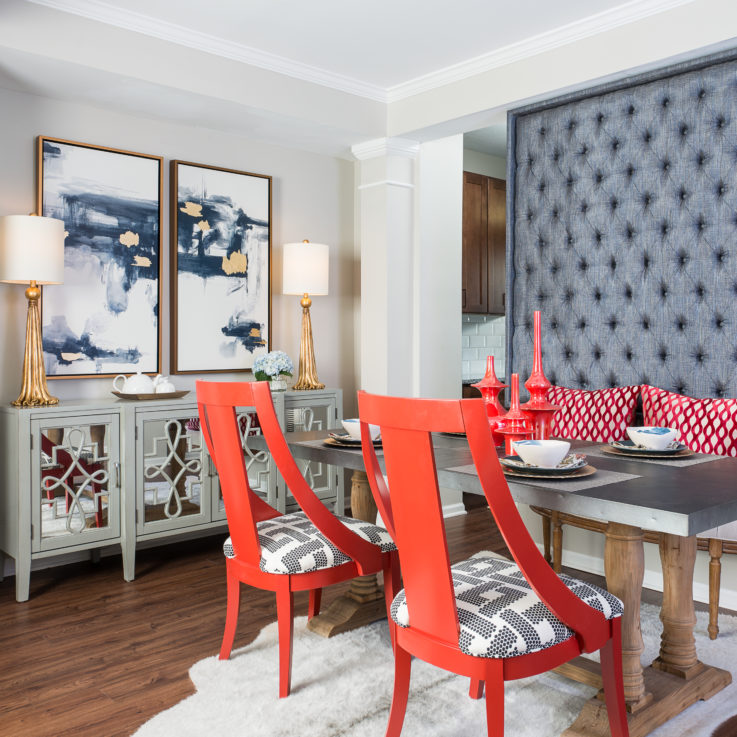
point(622, 230)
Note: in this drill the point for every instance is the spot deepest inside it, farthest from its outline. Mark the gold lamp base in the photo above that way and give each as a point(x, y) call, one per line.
point(34, 391)
point(307, 377)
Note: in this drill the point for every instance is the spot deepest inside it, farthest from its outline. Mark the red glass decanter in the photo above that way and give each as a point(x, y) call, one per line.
point(538, 408)
point(490, 387)
point(517, 424)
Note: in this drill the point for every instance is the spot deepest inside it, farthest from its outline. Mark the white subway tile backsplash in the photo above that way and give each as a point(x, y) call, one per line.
point(477, 368)
point(477, 341)
point(465, 341)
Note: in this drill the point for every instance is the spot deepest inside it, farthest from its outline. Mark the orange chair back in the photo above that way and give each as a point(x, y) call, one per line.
point(413, 501)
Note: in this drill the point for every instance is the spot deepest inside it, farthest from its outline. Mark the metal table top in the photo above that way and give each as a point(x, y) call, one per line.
point(677, 500)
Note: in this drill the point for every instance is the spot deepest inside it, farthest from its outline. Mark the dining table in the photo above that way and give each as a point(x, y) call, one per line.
point(676, 497)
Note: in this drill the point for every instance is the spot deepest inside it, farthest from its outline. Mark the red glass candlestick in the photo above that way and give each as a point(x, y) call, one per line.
point(517, 424)
point(490, 387)
point(538, 408)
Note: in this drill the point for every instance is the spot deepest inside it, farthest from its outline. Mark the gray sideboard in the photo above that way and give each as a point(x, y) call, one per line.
point(87, 474)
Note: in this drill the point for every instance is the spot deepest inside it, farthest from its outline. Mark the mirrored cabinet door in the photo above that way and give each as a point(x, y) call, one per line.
point(172, 471)
point(75, 477)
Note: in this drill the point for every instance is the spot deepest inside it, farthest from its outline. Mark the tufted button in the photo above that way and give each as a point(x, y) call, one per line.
point(542, 296)
point(647, 198)
point(568, 296)
point(684, 130)
point(718, 322)
point(663, 291)
point(630, 171)
point(584, 207)
point(583, 265)
point(556, 155)
point(682, 258)
point(598, 177)
point(597, 354)
point(569, 239)
point(600, 118)
point(613, 323)
point(584, 150)
point(597, 295)
point(530, 216)
point(680, 387)
point(645, 261)
point(541, 243)
point(701, 158)
point(718, 390)
point(541, 186)
point(554, 268)
point(721, 122)
point(702, 93)
point(598, 236)
point(628, 292)
point(664, 228)
point(571, 125)
point(681, 323)
point(631, 110)
point(629, 232)
point(543, 131)
point(721, 189)
point(628, 354)
point(615, 145)
point(553, 324)
point(720, 256)
point(700, 291)
point(645, 324)
point(614, 203)
point(555, 213)
point(613, 263)
point(663, 354)
point(647, 136)
point(530, 160)
point(700, 356)
point(682, 195)
point(582, 324)
point(700, 222)
point(568, 353)
point(665, 165)
point(665, 102)
point(570, 181)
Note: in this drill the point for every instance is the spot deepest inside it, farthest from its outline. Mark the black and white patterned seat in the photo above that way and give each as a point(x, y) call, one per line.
point(500, 616)
point(292, 544)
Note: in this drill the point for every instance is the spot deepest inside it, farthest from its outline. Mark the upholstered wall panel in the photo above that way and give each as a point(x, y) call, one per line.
point(622, 230)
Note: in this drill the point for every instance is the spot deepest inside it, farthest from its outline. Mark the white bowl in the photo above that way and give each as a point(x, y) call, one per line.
point(353, 427)
point(653, 438)
point(541, 453)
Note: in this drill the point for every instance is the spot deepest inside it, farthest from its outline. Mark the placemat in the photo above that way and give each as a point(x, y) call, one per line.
point(321, 444)
point(602, 477)
point(688, 461)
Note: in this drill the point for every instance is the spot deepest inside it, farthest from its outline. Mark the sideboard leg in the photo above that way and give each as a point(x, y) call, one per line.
point(22, 578)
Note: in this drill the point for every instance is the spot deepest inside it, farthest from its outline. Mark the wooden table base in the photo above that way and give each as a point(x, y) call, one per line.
point(676, 678)
point(364, 602)
point(670, 696)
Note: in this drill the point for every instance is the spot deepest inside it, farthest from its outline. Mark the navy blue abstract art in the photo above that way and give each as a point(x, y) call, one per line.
point(104, 319)
point(221, 248)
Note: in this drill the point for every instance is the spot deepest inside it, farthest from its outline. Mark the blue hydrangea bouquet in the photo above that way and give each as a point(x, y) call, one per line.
point(273, 365)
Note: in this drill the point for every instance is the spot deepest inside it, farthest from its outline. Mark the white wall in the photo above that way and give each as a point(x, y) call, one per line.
point(486, 164)
point(312, 197)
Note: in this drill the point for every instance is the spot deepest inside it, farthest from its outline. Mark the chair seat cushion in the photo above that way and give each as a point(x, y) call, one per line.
point(292, 544)
point(500, 616)
point(601, 416)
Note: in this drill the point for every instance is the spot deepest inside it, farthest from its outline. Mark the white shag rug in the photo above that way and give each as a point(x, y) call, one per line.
point(342, 686)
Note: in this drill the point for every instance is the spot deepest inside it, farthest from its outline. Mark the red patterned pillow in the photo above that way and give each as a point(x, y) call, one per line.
point(705, 425)
point(601, 415)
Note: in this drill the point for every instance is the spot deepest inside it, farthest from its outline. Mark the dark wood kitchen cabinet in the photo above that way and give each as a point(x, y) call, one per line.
point(484, 244)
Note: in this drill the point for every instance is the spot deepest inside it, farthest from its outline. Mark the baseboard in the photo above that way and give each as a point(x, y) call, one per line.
point(651, 580)
point(453, 510)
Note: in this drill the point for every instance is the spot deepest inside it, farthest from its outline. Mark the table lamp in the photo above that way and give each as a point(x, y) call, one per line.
point(305, 272)
point(32, 252)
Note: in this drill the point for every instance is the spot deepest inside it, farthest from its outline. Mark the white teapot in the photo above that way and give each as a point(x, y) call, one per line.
point(134, 384)
point(162, 385)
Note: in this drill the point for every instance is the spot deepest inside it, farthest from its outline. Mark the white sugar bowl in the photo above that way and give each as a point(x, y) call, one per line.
point(541, 453)
point(652, 438)
point(163, 385)
point(353, 427)
point(134, 384)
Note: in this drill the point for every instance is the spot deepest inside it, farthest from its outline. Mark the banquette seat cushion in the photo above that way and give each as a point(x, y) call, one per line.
point(500, 616)
point(291, 544)
point(600, 416)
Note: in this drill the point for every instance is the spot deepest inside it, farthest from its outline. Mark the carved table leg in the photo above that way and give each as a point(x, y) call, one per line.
point(676, 678)
point(557, 542)
point(715, 574)
point(364, 602)
point(677, 644)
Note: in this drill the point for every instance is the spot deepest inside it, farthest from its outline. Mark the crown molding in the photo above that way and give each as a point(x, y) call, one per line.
point(386, 147)
point(174, 33)
point(600, 23)
point(102, 12)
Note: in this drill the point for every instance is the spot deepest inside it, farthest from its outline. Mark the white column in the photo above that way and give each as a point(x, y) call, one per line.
point(386, 215)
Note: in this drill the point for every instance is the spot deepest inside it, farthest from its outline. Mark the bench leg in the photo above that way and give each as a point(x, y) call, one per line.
point(715, 575)
point(546, 538)
point(557, 542)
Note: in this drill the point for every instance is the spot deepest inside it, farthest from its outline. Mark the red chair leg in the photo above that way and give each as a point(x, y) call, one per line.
point(402, 670)
point(476, 691)
point(313, 608)
point(392, 586)
point(495, 699)
point(231, 615)
point(285, 619)
point(611, 674)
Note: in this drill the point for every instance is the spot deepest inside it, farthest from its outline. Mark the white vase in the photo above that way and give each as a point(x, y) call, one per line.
point(278, 385)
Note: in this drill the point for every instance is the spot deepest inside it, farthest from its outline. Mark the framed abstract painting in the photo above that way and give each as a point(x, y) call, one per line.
point(105, 318)
point(220, 268)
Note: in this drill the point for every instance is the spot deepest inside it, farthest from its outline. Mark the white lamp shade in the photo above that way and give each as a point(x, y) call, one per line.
point(305, 269)
point(31, 249)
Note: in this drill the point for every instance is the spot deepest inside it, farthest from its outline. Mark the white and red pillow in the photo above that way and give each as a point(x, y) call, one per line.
point(601, 415)
point(705, 425)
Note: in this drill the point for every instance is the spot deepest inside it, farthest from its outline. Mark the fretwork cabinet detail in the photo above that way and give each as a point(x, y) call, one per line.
point(88, 474)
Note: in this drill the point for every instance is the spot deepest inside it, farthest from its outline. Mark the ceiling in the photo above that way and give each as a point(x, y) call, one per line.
point(379, 52)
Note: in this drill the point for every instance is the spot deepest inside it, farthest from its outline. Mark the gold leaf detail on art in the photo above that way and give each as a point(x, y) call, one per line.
point(141, 261)
point(203, 225)
point(71, 356)
point(255, 332)
point(129, 238)
point(66, 233)
point(192, 208)
point(235, 264)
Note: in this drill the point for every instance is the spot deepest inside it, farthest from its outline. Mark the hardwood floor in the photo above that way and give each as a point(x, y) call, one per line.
point(90, 655)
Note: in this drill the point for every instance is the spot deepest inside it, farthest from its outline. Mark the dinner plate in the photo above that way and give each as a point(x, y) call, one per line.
point(628, 448)
point(572, 462)
point(344, 440)
point(552, 473)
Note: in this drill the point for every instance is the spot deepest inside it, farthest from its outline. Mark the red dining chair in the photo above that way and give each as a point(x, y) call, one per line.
point(487, 618)
point(284, 553)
